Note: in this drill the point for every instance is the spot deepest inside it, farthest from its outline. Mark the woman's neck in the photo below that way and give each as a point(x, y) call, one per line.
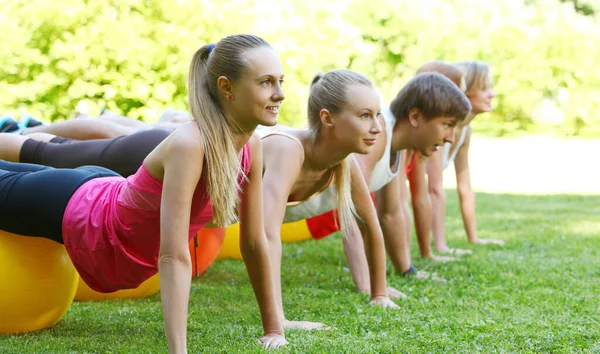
point(321, 153)
point(468, 119)
point(241, 137)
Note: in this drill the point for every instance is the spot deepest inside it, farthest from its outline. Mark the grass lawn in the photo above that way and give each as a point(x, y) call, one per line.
point(538, 293)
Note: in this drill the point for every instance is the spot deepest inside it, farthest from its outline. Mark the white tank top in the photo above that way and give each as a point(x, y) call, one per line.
point(446, 153)
point(327, 200)
point(317, 204)
point(382, 173)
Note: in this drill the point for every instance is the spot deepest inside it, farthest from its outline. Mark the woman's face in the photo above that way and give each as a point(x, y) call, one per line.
point(357, 124)
point(257, 96)
point(481, 100)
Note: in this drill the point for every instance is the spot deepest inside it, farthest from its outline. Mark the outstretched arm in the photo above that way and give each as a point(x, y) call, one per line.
point(435, 171)
point(393, 222)
point(182, 160)
point(466, 194)
point(372, 237)
point(255, 250)
point(354, 246)
point(421, 204)
point(283, 159)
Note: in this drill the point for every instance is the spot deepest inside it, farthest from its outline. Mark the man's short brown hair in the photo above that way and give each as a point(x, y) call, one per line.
point(434, 95)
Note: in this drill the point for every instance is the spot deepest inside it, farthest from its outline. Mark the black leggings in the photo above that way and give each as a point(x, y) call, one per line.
point(123, 154)
point(33, 198)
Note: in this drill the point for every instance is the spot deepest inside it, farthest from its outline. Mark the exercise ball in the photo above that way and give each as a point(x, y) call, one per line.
point(147, 288)
point(204, 248)
point(37, 283)
point(316, 228)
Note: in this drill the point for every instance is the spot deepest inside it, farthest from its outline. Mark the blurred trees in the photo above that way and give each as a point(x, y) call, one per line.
point(132, 56)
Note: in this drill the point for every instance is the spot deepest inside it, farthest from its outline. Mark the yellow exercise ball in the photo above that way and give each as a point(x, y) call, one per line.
point(231, 243)
point(37, 283)
point(147, 288)
point(295, 231)
point(290, 232)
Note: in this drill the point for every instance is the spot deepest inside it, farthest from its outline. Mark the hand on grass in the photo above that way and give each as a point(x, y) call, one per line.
point(489, 241)
point(392, 293)
point(273, 340)
point(384, 302)
point(306, 325)
point(455, 251)
point(423, 275)
point(442, 259)
point(436, 277)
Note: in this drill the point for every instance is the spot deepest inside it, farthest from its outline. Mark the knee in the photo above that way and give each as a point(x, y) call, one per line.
point(10, 146)
point(437, 193)
point(274, 238)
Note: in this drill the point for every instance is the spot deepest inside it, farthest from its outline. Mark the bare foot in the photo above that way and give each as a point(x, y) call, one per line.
point(483, 241)
point(306, 325)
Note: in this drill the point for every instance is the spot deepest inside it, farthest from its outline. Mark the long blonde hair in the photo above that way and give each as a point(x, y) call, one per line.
point(210, 62)
point(477, 75)
point(329, 91)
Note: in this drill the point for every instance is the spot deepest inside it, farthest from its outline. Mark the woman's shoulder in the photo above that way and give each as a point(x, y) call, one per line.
point(186, 138)
point(184, 143)
point(282, 133)
point(282, 139)
point(282, 153)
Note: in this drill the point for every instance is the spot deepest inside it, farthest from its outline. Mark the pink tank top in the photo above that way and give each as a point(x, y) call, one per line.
point(111, 227)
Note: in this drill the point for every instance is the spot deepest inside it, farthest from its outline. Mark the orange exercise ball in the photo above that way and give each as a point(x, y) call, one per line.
point(204, 248)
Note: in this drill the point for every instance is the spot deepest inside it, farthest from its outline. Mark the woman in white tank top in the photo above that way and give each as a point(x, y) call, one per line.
point(422, 117)
point(429, 201)
point(301, 164)
point(392, 196)
point(298, 166)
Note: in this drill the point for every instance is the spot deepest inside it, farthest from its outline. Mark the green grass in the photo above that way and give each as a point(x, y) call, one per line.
point(538, 293)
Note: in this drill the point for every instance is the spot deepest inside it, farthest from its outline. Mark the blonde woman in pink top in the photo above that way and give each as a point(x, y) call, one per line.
point(119, 232)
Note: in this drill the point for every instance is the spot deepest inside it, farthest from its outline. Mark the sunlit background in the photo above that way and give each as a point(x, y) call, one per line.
point(132, 57)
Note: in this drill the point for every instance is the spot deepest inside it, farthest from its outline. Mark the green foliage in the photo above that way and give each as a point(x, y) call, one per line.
point(586, 7)
point(132, 56)
point(540, 51)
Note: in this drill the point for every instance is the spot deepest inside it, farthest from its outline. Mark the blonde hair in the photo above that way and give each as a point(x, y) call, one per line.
point(330, 91)
point(434, 95)
point(455, 73)
point(477, 75)
point(210, 62)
